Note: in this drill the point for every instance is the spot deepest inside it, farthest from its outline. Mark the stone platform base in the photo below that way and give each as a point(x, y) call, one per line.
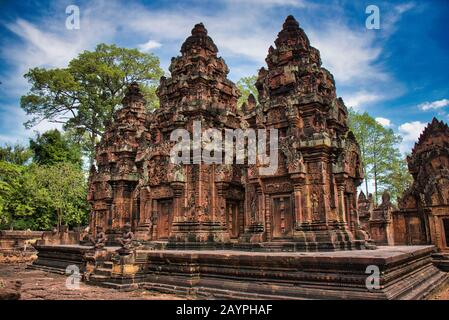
point(17, 256)
point(56, 258)
point(441, 260)
point(406, 272)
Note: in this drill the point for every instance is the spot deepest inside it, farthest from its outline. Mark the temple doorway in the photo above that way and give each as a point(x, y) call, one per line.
point(282, 217)
point(415, 231)
point(446, 231)
point(232, 218)
point(165, 218)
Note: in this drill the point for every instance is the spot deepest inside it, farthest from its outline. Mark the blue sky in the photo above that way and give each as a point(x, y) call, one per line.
point(399, 74)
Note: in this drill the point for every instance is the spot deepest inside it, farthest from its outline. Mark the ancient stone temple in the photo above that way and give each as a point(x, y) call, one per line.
point(112, 184)
point(423, 217)
point(271, 223)
point(309, 203)
point(193, 204)
point(365, 207)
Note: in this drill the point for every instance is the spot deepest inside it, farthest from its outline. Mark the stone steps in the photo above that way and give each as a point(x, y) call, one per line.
point(103, 272)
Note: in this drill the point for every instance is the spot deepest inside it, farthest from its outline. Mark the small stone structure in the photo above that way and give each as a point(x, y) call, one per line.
point(423, 216)
point(17, 246)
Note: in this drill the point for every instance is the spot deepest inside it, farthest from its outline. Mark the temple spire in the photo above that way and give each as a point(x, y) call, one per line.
point(199, 40)
point(292, 35)
point(133, 94)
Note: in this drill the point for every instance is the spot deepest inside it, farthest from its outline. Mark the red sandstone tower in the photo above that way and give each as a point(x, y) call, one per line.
point(310, 202)
point(112, 185)
point(192, 205)
point(423, 217)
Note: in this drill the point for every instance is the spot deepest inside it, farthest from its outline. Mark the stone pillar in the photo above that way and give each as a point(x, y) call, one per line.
point(221, 202)
point(178, 190)
point(298, 205)
point(341, 203)
point(260, 205)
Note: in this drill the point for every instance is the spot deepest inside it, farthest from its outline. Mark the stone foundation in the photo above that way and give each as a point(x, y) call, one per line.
point(17, 246)
point(405, 273)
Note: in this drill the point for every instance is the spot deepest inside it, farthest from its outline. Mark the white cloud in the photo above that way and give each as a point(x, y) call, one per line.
point(242, 30)
point(384, 121)
point(434, 104)
point(291, 3)
point(410, 132)
point(349, 54)
point(361, 98)
point(390, 19)
point(149, 45)
point(404, 7)
point(12, 121)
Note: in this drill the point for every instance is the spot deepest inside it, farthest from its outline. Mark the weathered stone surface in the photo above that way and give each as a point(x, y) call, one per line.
point(380, 221)
point(308, 204)
point(17, 246)
point(112, 183)
point(10, 290)
point(311, 199)
point(423, 216)
point(41, 285)
point(405, 273)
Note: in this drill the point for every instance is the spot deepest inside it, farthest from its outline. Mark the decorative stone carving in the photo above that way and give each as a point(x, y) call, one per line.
point(423, 215)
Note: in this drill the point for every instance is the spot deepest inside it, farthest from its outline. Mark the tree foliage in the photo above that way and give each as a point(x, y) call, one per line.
point(84, 95)
point(41, 195)
point(383, 164)
point(53, 147)
point(16, 154)
point(247, 86)
point(63, 188)
point(14, 201)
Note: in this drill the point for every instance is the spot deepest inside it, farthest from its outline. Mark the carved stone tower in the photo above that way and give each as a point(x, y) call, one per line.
point(310, 202)
point(112, 183)
point(423, 217)
point(193, 205)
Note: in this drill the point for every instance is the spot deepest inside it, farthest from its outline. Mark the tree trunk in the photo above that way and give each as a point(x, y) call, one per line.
point(93, 139)
point(366, 181)
point(375, 182)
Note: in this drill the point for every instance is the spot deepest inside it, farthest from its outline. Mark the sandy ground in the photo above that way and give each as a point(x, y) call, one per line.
point(40, 285)
point(441, 294)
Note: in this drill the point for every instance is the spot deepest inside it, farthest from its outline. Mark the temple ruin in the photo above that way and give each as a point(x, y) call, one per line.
point(308, 204)
point(232, 230)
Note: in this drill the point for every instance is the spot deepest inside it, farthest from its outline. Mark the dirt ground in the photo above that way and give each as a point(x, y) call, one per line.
point(442, 294)
point(40, 285)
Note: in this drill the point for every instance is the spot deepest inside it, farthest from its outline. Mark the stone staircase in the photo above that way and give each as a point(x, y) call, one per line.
point(104, 277)
point(102, 274)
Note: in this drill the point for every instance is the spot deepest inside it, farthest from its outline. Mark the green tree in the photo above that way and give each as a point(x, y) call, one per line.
point(52, 147)
point(363, 125)
point(62, 188)
point(247, 86)
point(15, 200)
point(16, 154)
point(382, 162)
point(84, 95)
